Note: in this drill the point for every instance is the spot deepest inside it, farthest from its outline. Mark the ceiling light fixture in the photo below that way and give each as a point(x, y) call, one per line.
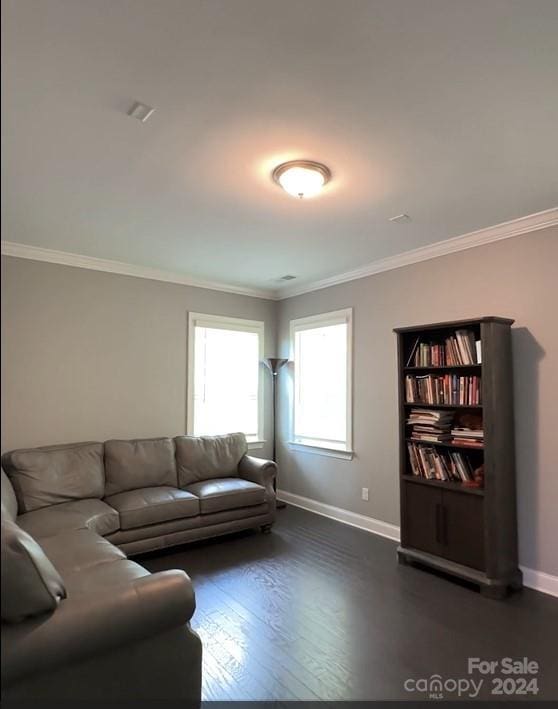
point(301, 178)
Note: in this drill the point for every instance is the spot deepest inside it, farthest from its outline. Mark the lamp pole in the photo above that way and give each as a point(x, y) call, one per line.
point(274, 364)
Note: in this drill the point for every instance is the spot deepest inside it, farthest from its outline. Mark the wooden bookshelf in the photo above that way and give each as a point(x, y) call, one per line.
point(469, 532)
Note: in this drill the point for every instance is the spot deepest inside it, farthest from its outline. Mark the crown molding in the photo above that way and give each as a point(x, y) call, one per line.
point(505, 230)
point(65, 258)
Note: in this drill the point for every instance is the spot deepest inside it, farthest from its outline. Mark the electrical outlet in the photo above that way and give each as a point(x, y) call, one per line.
point(365, 494)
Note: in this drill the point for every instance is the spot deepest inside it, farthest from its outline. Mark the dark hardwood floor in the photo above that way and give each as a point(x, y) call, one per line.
point(320, 610)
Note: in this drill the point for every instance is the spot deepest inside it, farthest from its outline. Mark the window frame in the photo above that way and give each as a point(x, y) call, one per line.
point(335, 317)
point(225, 322)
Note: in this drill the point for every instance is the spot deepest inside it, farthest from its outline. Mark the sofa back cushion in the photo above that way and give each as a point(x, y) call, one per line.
point(208, 457)
point(30, 583)
point(130, 465)
point(53, 474)
point(9, 501)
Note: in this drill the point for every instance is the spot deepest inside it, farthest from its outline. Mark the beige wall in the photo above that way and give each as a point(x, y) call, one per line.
point(516, 278)
point(90, 355)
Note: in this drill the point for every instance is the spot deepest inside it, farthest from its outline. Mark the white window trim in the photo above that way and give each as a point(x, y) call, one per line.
point(226, 323)
point(335, 317)
point(344, 454)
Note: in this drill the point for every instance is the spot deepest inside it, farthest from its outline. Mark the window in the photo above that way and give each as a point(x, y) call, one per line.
point(321, 347)
point(225, 392)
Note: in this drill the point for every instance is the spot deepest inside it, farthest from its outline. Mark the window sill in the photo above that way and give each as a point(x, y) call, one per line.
point(256, 445)
point(321, 450)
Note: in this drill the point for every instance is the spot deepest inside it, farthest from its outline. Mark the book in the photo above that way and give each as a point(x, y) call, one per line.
point(467, 442)
point(467, 433)
point(467, 346)
point(413, 350)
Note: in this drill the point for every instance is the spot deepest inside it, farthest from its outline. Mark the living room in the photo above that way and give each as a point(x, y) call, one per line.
point(279, 350)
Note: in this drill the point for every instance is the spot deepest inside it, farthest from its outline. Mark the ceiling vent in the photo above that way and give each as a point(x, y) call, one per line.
point(400, 219)
point(287, 277)
point(141, 111)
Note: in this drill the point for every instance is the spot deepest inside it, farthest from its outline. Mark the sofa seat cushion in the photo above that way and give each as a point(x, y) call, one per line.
point(102, 577)
point(150, 505)
point(95, 515)
point(165, 532)
point(54, 474)
point(226, 494)
point(77, 551)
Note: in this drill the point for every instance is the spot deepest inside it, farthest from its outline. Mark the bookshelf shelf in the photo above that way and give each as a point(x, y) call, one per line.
point(420, 405)
point(447, 368)
point(441, 444)
point(470, 532)
point(444, 485)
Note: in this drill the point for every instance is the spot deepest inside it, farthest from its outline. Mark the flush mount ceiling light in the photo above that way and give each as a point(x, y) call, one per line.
point(301, 178)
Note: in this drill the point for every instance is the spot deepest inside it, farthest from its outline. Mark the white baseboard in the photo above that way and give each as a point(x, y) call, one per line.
point(540, 581)
point(369, 524)
point(537, 580)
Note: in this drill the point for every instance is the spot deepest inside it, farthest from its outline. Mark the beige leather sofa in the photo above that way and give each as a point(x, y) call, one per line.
point(79, 619)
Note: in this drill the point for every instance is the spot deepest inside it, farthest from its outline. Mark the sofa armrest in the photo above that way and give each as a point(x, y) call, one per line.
point(87, 625)
point(257, 470)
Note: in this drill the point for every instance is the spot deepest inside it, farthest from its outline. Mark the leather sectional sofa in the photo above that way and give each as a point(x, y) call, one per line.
point(79, 619)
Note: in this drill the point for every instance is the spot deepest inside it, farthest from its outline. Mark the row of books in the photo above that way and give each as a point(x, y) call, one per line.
point(446, 389)
point(433, 464)
point(461, 348)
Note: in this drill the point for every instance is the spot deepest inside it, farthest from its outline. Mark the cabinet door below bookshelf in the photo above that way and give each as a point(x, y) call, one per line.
point(446, 523)
point(423, 528)
point(463, 528)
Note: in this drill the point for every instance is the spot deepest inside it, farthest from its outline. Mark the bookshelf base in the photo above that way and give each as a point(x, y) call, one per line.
point(489, 587)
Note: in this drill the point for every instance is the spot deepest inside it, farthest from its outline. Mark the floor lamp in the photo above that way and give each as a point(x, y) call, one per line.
point(274, 364)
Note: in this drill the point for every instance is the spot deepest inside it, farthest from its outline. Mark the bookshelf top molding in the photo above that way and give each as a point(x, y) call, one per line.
point(453, 324)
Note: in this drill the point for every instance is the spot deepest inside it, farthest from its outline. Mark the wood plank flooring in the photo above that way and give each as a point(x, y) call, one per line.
point(318, 610)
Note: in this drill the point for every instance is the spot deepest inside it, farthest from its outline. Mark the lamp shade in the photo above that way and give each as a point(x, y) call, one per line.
point(274, 364)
